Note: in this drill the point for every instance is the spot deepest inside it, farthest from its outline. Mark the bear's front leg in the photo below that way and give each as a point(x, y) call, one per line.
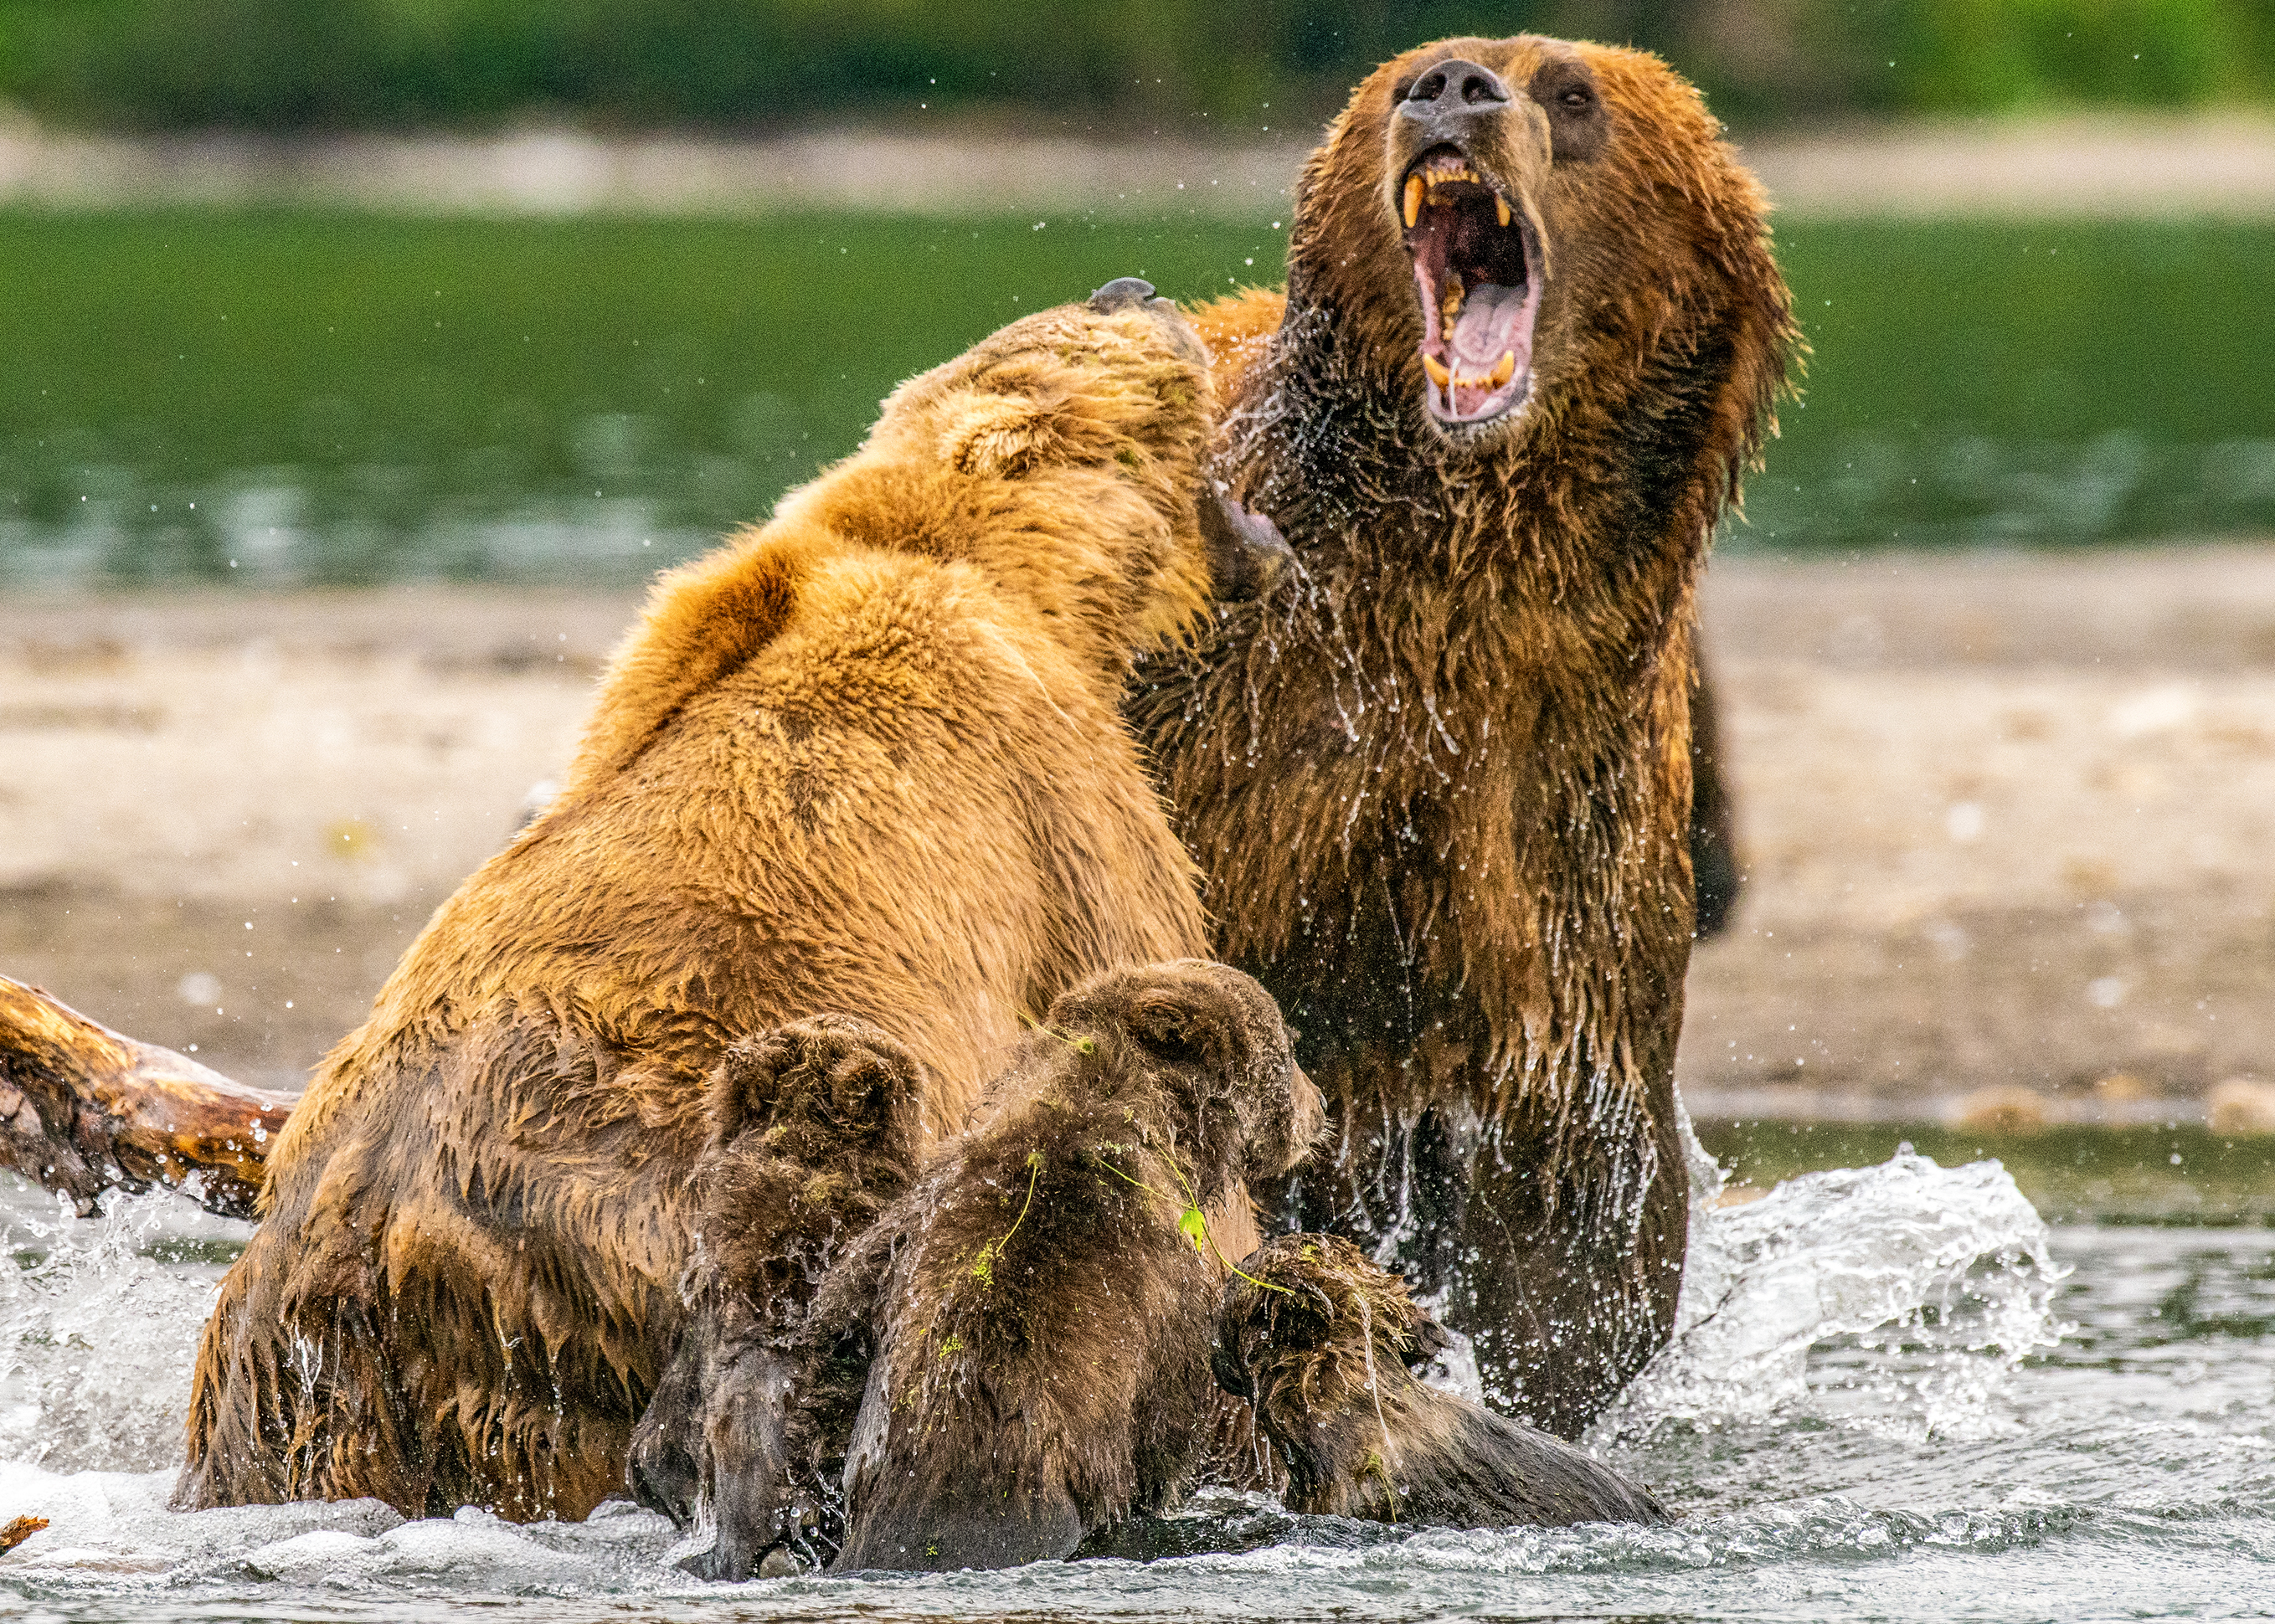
point(1554, 1241)
point(1572, 1259)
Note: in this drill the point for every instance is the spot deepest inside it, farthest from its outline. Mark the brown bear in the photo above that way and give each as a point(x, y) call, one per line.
point(813, 1131)
point(1317, 1340)
point(1439, 778)
point(866, 759)
point(1036, 1314)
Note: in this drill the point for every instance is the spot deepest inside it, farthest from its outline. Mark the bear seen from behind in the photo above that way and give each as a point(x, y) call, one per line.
point(867, 759)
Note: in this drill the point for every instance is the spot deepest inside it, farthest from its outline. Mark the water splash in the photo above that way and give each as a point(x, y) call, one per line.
point(1948, 1266)
point(99, 1330)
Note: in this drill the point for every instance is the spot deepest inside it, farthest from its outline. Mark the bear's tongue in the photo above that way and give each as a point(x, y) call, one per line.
point(1475, 273)
point(1481, 365)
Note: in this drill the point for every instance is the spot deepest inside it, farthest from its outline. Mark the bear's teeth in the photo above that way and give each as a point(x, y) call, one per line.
point(1444, 377)
point(1500, 208)
point(1414, 200)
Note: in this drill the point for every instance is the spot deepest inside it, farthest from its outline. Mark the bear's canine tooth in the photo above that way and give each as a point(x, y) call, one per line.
point(1414, 200)
point(1503, 370)
point(1500, 208)
point(1439, 374)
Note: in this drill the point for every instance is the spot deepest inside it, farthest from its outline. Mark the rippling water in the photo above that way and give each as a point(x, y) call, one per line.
point(1895, 1395)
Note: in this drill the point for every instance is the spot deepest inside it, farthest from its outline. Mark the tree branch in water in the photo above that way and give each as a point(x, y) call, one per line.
point(83, 1107)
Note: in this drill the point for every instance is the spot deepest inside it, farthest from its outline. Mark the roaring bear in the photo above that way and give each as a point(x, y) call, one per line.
point(1438, 777)
point(1034, 1316)
point(866, 759)
point(1317, 1339)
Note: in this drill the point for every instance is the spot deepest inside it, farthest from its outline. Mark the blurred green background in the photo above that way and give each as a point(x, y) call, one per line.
point(300, 64)
point(280, 397)
point(277, 395)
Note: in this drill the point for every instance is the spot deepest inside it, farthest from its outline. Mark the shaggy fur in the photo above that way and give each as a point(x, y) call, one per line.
point(866, 759)
point(1439, 779)
point(1034, 1316)
point(1317, 1341)
point(810, 1136)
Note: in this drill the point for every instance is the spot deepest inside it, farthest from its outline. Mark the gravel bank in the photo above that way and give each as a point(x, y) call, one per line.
point(2006, 820)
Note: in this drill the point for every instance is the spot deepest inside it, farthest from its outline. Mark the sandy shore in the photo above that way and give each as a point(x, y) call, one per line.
point(2007, 820)
point(2104, 165)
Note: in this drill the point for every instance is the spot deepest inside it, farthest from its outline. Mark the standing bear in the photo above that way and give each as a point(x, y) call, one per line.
point(1439, 774)
point(866, 759)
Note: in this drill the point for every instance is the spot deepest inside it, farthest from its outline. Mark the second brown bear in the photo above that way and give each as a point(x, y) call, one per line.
point(1038, 1308)
point(1316, 1338)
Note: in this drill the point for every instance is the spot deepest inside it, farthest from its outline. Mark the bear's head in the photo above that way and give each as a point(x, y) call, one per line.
point(1209, 1043)
point(1513, 230)
point(1061, 456)
point(1311, 1320)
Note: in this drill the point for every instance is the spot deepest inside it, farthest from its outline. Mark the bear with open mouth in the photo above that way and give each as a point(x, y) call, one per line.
point(1438, 776)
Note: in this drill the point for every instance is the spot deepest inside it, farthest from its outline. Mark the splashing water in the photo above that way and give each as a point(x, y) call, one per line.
point(1864, 1413)
point(1949, 1263)
point(98, 1330)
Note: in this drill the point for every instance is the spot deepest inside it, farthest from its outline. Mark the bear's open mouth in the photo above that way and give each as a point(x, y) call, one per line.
point(1477, 269)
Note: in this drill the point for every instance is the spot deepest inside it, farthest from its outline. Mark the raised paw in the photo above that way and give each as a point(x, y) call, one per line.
point(821, 1087)
point(1247, 554)
point(1121, 293)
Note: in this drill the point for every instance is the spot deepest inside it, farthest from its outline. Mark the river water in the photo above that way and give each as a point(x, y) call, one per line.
point(1895, 1393)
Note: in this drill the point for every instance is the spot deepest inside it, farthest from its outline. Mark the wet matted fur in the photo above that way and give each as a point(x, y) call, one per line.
point(1439, 778)
point(1035, 1315)
point(811, 1135)
point(866, 759)
point(1318, 1339)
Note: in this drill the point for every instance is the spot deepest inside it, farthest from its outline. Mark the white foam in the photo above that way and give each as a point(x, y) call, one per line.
point(97, 1337)
point(1952, 1256)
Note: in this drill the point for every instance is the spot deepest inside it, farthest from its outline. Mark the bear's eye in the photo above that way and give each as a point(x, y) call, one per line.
point(1576, 98)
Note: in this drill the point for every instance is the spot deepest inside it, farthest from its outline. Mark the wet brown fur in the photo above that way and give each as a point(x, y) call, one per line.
point(1037, 1325)
point(864, 759)
point(813, 1130)
point(1317, 1341)
point(1439, 781)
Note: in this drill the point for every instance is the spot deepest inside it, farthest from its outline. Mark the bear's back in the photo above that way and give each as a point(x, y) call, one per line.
point(906, 806)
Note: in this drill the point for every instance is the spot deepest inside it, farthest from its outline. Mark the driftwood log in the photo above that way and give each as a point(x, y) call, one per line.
point(83, 1107)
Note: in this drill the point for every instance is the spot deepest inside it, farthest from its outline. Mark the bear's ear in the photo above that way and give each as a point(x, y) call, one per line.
point(1169, 1028)
point(1002, 436)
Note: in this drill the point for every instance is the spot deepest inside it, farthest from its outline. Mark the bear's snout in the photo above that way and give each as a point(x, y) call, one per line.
point(1122, 293)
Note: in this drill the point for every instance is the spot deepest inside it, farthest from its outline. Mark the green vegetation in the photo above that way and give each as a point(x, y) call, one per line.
point(294, 65)
point(2024, 383)
point(348, 398)
point(2180, 1174)
point(339, 397)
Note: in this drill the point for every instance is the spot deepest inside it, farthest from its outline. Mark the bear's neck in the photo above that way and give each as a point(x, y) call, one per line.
point(1489, 662)
point(1597, 514)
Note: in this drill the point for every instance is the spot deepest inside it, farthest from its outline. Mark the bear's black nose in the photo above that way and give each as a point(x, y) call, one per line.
point(1121, 293)
point(1447, 96)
